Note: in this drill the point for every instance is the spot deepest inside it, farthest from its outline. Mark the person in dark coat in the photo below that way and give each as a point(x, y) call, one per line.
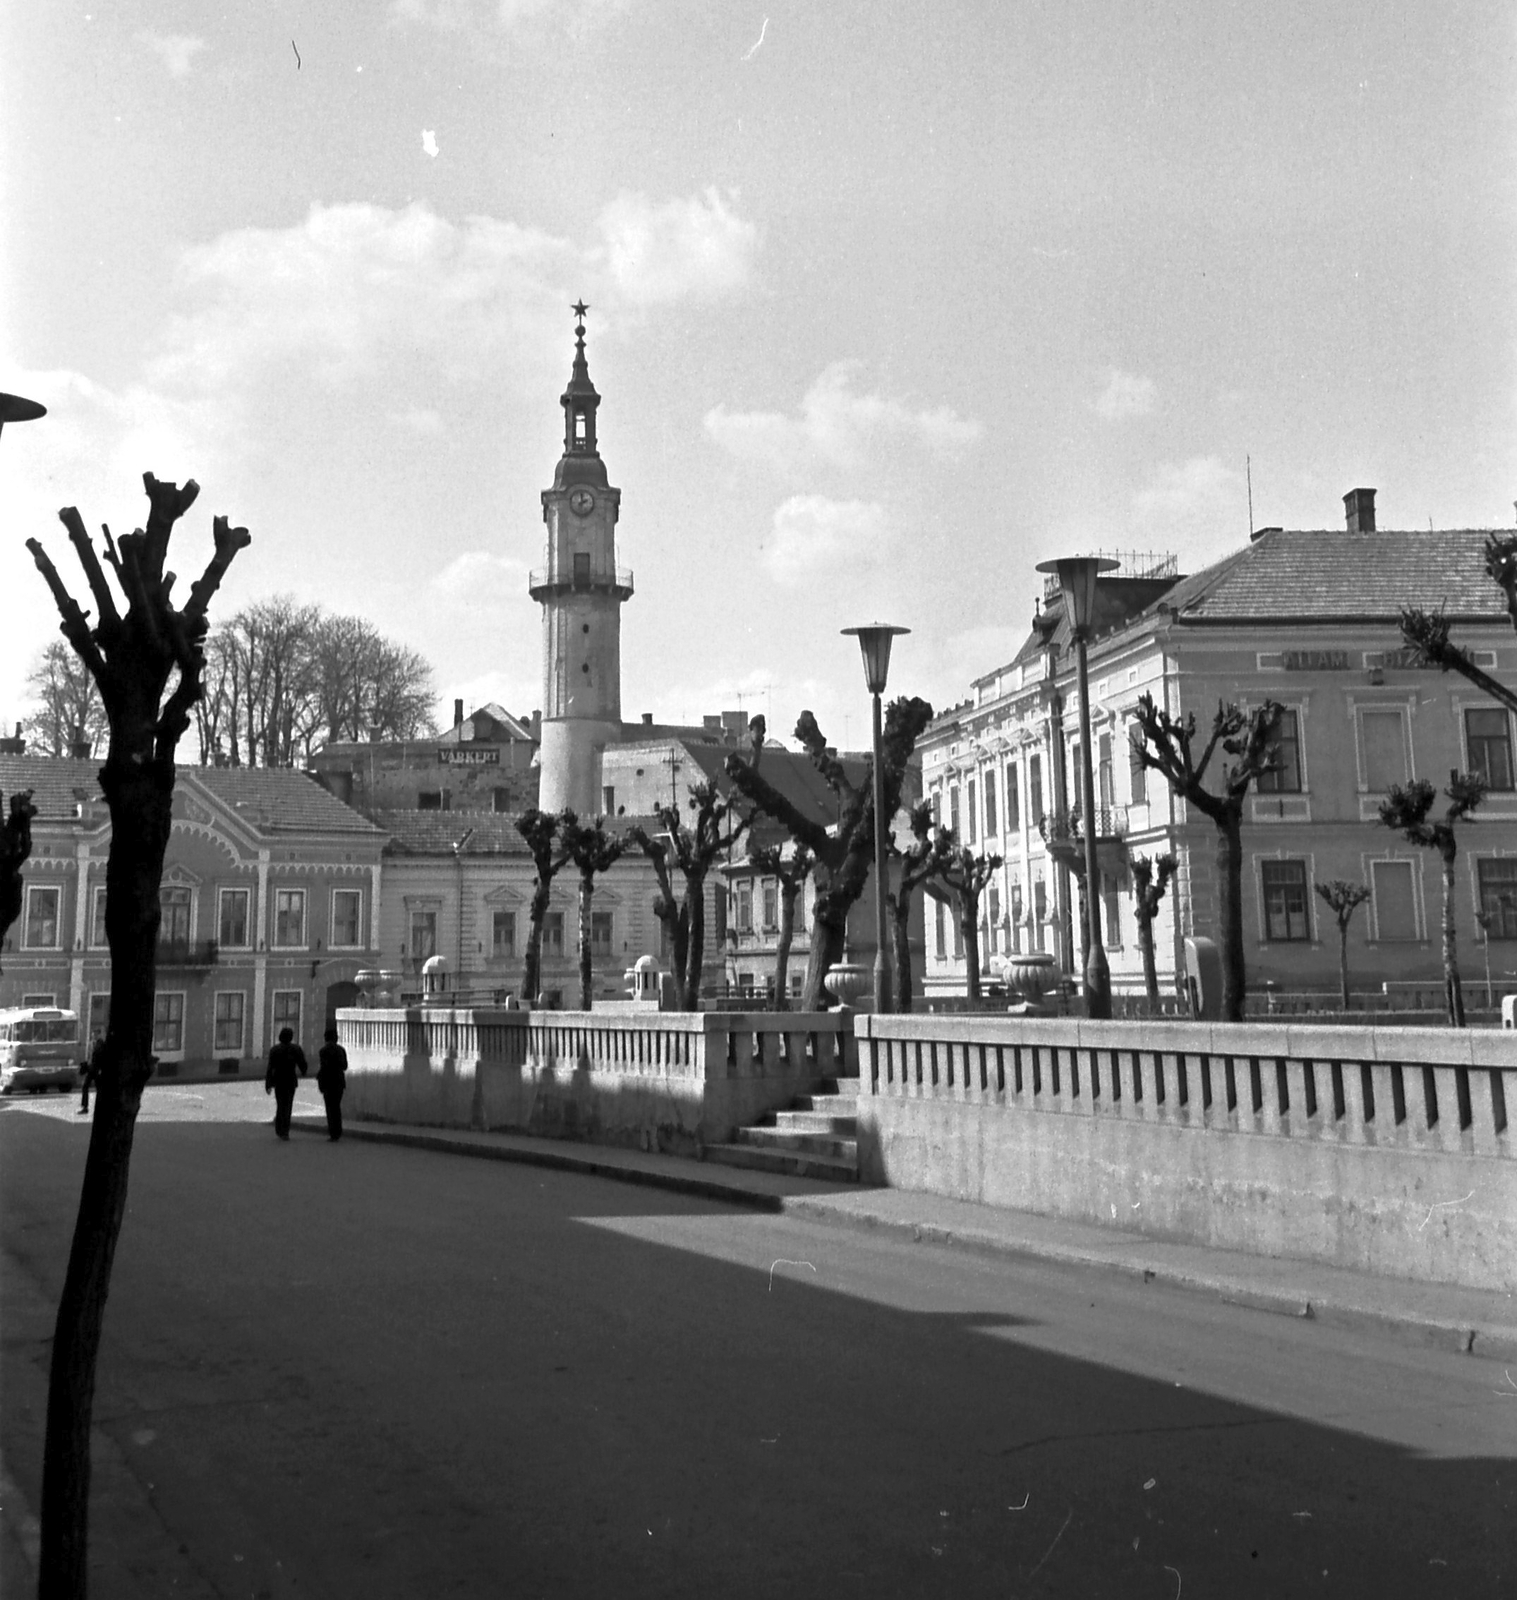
point(332, 1079)
point(287, 1066)
point(90, 1073)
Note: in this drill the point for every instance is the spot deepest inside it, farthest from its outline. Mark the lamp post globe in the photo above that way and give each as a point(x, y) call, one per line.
point(874, 645)
point(1077, 577)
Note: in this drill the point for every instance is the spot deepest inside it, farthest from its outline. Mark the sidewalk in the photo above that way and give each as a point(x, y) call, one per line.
point(1442, 1317)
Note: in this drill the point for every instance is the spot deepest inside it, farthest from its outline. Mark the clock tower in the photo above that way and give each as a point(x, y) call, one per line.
point(581, 591)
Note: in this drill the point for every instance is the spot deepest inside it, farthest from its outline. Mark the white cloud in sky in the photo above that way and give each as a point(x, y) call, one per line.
point(419, 419)
point(453, 16)
point(697, 247)
point(812, 533)
point(177, 51)
point(1191, 507)
point(841, 426)
point(481, 576)
point(1125, 395)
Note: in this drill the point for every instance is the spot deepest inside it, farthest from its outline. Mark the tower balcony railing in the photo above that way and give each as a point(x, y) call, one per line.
point(604, 580)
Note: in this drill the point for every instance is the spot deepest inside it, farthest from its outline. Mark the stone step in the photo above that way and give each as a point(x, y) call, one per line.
point(827, 1105)
point(793, 1163)
point(816, 1122)
point(816, 1144)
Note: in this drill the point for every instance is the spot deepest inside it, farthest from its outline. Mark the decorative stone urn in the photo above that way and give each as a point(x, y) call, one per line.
point(1034, 974)
point(847, 981)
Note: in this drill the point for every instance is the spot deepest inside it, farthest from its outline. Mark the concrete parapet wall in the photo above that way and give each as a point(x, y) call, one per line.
point(671, 1080)
point(1384, 1149)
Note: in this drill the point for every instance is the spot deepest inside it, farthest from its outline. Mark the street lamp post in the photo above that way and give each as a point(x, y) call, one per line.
point(1077, 579)
point(874, 644)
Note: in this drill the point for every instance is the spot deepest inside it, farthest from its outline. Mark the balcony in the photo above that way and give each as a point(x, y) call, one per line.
point(546, 581)
point(184, 953)
point(1064, 838)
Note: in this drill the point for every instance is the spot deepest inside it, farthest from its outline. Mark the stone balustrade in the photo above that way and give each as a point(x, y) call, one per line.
point(1382, 1148)
point(670, 1080)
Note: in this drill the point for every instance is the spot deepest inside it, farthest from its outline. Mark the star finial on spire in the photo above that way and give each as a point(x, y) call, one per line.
point(579, 308)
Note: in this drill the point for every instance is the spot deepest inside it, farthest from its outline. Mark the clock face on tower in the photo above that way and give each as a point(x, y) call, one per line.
point(582, 502)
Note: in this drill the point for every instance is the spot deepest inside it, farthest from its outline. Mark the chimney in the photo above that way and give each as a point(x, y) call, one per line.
point(458, 713)
point(1259, 533)
point(1359, 507)
point(13, 747)
point(647, 719)
point(80, 748)
point(537, 727)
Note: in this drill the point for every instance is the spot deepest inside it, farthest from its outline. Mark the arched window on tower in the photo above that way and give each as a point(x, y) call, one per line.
point(579, 427)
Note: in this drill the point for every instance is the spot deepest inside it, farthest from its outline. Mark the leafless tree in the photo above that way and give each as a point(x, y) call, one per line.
point(966, 877)
point(1428, 633)
point(1406, 809)
point(148, 665)
point(789, 867)
point(1149, 880)
point(540, 830)
point(68, 705)
point(592, 851)
point(1343, 899)
point(925, 860)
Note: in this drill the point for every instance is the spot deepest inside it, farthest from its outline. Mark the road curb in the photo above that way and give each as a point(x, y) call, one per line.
point(1496, 1342)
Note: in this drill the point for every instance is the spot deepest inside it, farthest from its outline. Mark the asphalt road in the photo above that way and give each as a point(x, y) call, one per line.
point(360, 1370)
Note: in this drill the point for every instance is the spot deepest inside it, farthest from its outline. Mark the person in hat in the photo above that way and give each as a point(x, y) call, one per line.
point(287, 1066)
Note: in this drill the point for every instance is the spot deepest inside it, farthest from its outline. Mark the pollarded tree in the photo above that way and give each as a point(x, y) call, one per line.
point(1428, 632)
point(844, 850)
point(593, 851)
point(1167, 744)
point(148, 665)
point(540, 830)
point(966, 877)
point(790, 867)
point(15, 847)
point(1343, 899)
point(1150, 878)
point(670, 911)
point(1406, 809)
point(923, 861)
point(694, 846)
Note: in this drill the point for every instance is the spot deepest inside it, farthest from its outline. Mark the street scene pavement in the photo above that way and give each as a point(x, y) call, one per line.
point(359, 1368)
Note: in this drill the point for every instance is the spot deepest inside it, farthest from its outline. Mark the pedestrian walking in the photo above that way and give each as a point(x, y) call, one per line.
point(332, 1079)
point(287, 1066)
point(89, 1073)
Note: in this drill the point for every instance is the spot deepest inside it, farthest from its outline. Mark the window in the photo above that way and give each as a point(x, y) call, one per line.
point(234, 919)
point(290, 918)
point(1035, 790)
point(970, 812)
point(1105, 793)
point(434, 800)
point(99, 937)
point(423, 935)
point(958, 935)
point(100, 1014)
point(940, 924)
point(937, 808)
point(553, 933)
point(1111, 917)
point(503, 934)
point(1489, 735)
point(600, 933)
point(953, 811)
point(608, 800)
point(287, 1012)
point(1016, 918)
point(992, 821)
point(41, 931)
point(771, 905)
point(347, 918)
point(581, 568)
point(168, 1024)
point(1384, 738)
point(228, 1035)
point(174, 917)
point(993, 897)
point(1287, 779)
point(38, 1000)
point(1039, 911)
point(1013, 802)
point(1498, 894)
point(1285, 903)
point(1394, 904)
point(1137, 772)
point(743, 919)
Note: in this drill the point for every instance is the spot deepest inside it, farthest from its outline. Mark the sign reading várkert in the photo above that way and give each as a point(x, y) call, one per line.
point(464, 755)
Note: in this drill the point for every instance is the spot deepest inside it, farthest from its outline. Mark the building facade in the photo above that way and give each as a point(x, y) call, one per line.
point(269, 905)
point(1309, 620)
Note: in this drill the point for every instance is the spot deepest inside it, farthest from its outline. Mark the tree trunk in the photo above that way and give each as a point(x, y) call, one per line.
point(586, 972)
point(140, 795)
point(695, 956)
point(532, 969)
point(828, 940)
point(1452, 988)
point(969, 924)
point(1150, 966)
point(1343, 962)
point(788, 893)
point(1230, 910)
point(900, 925)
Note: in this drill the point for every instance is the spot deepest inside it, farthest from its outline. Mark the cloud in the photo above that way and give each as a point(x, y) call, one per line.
point(177, 51)
point(1125, 395)
point(490, 16)
point(696, 248)
point(812, 532)
point(840, 426)
point(429, 142)
point(1191, 506)
point(419, 419)
point(481, 577)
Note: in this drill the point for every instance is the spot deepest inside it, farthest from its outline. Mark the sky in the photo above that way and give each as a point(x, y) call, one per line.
point(888, 302)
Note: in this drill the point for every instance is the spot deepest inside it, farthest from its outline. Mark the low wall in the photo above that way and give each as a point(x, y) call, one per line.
point(667, 1080)
point(1383, 1149)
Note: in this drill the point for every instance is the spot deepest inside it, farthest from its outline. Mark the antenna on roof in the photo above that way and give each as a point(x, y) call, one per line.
point(1248, 467)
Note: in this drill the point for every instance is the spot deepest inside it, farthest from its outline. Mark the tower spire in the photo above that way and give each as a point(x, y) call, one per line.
point(579, 399)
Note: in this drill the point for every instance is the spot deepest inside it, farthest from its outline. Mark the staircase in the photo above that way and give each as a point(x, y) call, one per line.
point(815, 1138)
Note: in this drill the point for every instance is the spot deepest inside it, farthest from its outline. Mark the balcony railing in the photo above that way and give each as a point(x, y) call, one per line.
point(188, 953)
point(1061, 826)
point(618, 580)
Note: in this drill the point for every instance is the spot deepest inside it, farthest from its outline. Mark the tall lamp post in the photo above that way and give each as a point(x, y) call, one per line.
point(1077, 579)
point(874, 644)
point(13, 408)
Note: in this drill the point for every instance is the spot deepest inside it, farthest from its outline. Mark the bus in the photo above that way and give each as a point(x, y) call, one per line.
point(39, 1049)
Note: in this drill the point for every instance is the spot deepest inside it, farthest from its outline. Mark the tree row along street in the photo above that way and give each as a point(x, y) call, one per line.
point(339, 1369)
